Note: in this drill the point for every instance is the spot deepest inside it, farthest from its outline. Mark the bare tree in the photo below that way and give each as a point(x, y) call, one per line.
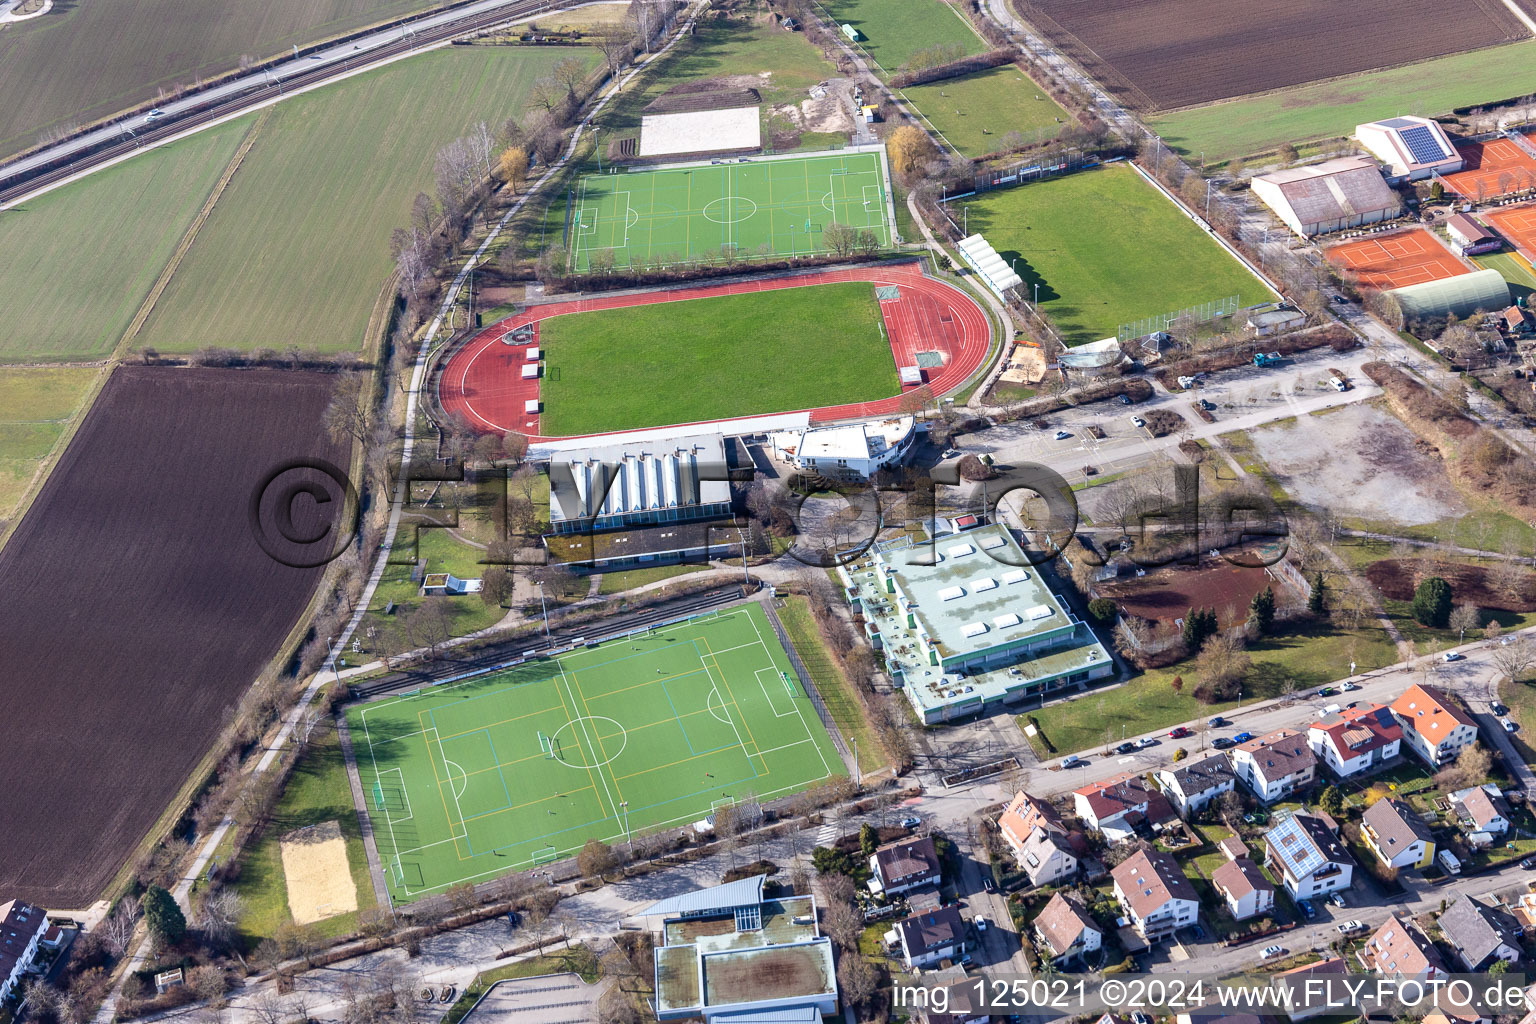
point(1514, 655)
point(117, 930)
point(347, 415)
point(218, 916)
point(1464, 618)
point(429, 627)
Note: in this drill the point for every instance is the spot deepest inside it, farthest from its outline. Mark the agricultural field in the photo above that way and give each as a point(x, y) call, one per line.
point(893, 31)
point(85, 61)
point(297, 249)
point(643, 732)
point(1332, 109)
point(1161, 54)
point(973, 113)
point(682, 362)
point(81, 259)
point(761, 208)
point(37, 404)
point(139, 606)
point(1106, 248)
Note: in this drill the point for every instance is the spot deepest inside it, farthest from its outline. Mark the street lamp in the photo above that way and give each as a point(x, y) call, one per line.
point(624, 806)
point(542, 605)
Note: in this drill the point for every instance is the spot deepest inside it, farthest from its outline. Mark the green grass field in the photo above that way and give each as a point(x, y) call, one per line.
point(1106, 248)
point(37, 403)
point(84, 61)
point(81, 259)
point(646, 732)
point(893, 30)
point(761, 208)
point(974, 112)
point(1518, 272)
point(297, 249)
point(705, 359)
point(1331, 109)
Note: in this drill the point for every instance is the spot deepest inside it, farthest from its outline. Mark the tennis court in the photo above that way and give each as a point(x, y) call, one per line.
point(1518, 225)
point(759, 207)
point(1396, 260)
point(1493, 168)
point(468, 780)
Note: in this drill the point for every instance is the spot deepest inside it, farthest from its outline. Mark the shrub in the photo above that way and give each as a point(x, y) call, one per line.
point(1432, 603)
point(1103, 610)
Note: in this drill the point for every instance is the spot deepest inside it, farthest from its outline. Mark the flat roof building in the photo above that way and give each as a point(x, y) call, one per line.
point(849, 449)
point(607, 487)
point(977, 627)
point(728, 954)
point(1330, 196)
point(1412, 148)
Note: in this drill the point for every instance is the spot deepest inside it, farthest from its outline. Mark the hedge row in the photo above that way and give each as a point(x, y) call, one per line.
point(955, 68)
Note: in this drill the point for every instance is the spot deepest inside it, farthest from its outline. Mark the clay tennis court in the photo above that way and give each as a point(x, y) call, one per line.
point(1518, 225)
point(482, 382)
point(1396, 260)
point(1493, 168)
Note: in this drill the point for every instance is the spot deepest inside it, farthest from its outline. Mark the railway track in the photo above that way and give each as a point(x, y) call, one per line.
point(21, 183)
point(538, 645)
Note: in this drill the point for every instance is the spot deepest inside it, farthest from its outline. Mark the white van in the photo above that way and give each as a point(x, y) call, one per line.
point(1449, 862)
point(1071, 761)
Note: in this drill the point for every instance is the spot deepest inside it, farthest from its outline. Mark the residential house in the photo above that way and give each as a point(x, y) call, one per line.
point(1525, 915)
point(1396, 835)
point(1122, 806)
point(1448, 1011)
point(1305, 988)
point(961, 1002)
point(1434, 727)
point(1191, 785)
point(1066, 931)
point(930, 937)
point(1275, 765)
point(1480, 934)
point(1306, 852)
point(1040, 842)
point(1247, 892)
point(1399, 950)
point(1155, 894)
point(22, 927)
point(1356, 740)
point(1516, 322)
point(904, 866)
point(1481, 809)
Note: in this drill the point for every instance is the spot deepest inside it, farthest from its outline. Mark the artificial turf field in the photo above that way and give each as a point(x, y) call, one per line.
point(761, 207)
point(1106, 248)
point(662, 727)
point(704, 359)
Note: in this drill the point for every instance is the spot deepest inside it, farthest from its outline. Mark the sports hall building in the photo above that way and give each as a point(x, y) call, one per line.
point(976, 628)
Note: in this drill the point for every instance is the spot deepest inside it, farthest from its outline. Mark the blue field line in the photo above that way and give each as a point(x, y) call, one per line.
point(497, 758)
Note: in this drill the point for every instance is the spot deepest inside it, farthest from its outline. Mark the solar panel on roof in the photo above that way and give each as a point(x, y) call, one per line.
point(1423, 144)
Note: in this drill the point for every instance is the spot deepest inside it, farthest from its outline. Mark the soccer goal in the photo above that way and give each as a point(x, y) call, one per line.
point(550, 747)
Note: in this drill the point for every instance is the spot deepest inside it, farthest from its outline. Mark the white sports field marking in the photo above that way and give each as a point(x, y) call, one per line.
point(714, 692)
point(409, 814)
point(457, 792)
point(612, 804)
point(442, 754)
point(778, 678)
point(393, 842)
point(739, 742)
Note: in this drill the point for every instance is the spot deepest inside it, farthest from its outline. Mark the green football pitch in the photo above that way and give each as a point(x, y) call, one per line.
point(764, 207)
point(468, 780)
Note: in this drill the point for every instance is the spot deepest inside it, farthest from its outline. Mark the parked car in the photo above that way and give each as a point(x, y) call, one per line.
point(1307, 908)
point(1351, 927)
point(1138, 421)
point(1337, 899)
point(1207, 404)
point(1222, 742)
point(1126, 748)
point(1498, 709)
point(1508, 725)
point(911, 821)
point(1350, 687)
point(1179, 733)
point(1217, 722)
point(1146, 741)
point(1124, 399)
point(1242, 737)
point(951, 453)
point(1062, 435)
point(1528, 863)
point(1327, 691)
point(1453, 656)
point(981, 924)
point(1071, 761)
point(1271, 952)
point(987, 885)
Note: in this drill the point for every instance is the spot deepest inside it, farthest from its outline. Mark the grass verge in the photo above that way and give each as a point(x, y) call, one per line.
point(974, 112)
point(836, 688)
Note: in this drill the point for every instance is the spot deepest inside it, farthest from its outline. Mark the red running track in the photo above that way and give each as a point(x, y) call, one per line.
point(483, 383)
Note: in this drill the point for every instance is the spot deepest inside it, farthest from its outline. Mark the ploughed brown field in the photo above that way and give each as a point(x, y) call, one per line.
point(137, 607)
point(1161, 54)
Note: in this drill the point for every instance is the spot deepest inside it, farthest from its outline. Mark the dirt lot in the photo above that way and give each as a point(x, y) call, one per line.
point(138, 606)
point(1168, 593)
point(1161, 54)
point(1397, 578)
point(1383, 473)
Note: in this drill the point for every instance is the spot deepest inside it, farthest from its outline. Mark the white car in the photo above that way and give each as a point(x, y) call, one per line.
point(154, 115)
point(951, 453)
point(1350, 927)
point(911, 822)
point(981, 924)
point(1350, 687)
point(1062, 435)
point(1453, 656)
point(1270, 952)
point(1508, 725)
point(1145, 742)
point(1138, 421)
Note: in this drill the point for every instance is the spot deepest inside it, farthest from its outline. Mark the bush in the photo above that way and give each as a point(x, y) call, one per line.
point(1103, 610)
point(1180, 754)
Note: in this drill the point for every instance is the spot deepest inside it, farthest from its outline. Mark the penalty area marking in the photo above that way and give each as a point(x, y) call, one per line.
point(448, 767)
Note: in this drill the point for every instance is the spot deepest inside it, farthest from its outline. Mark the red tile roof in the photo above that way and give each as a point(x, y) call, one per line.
point(1428, 712)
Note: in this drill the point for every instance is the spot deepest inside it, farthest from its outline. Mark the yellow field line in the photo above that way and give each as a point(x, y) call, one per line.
point(670, 764)
point(504, 721)
point(744, 721)
point(530, 803)
point(568, 721)
point(447, 816)
point(574, 681)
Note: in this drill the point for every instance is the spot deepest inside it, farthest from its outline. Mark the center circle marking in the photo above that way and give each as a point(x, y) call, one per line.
point(577, 756)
